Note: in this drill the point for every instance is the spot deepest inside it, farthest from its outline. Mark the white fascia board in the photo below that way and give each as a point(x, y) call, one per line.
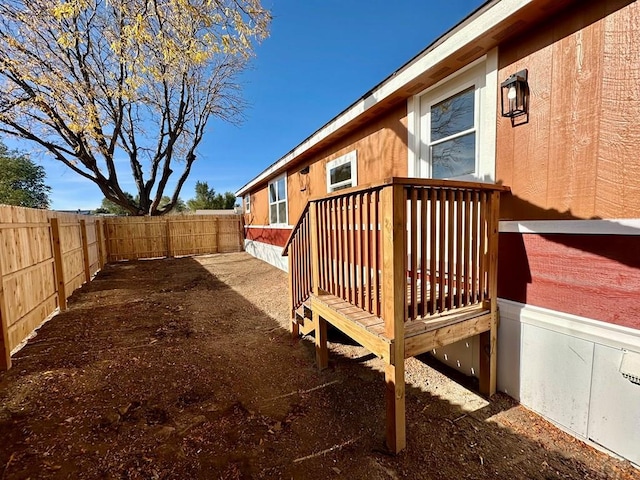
point(466, 32)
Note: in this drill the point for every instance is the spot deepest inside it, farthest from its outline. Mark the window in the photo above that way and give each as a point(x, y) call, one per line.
point(342, 172)
point(452, 125)
point(452, 136)
point(278, 201)
point(247, 204)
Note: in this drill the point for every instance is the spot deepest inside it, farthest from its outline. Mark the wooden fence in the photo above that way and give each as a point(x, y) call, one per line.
point(45, 256)
point(132, 238)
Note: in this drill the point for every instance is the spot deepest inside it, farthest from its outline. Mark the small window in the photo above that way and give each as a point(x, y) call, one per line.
point(247, 204)
point(342, 172)
point(278, 201)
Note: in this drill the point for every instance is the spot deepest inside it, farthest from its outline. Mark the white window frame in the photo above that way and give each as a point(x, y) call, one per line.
point(278, 201)
point(352, 158)
point(483, 76)
point(247, 203)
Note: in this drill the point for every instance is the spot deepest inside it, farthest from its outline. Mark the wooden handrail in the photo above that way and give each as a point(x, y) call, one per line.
point(285, 249)
point(446, 184)
point(405, 181)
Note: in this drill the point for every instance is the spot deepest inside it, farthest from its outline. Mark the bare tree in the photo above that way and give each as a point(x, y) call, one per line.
point(98, 83)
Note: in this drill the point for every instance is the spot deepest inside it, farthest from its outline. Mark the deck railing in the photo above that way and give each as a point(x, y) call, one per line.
point(299, 251)
point(419, 248)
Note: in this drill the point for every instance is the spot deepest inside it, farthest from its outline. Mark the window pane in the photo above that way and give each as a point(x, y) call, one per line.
point(453, 158)
point(282, 212)
point(281, 193)
point(273, 213)
point(453, 115)
point(340, 173)
point(272, 193)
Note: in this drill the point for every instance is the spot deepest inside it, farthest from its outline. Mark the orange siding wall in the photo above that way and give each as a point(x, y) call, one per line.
point(381, 146)
point(578, 157)
point(259, 214)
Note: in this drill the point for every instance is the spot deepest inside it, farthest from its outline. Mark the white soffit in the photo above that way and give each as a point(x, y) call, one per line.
point(466, 32)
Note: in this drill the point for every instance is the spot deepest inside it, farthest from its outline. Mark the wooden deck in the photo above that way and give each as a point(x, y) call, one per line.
point(401, 267)
point(420, 336)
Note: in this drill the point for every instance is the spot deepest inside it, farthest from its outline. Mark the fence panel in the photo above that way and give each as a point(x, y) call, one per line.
point(133, 238)
point(45, 256)
point(27, 275)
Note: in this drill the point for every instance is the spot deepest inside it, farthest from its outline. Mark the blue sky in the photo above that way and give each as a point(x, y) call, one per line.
point(321, 56)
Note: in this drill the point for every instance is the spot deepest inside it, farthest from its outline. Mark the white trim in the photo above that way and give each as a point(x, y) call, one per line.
point(481, 74)
point(625, 226)
point(275, 226)
point(584, 328)
point(278, 201)
point(247, 203)
point(352, 158)
point(469, 31)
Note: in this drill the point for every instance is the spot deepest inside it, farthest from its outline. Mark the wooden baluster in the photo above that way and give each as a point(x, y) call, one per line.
point(459, 285)
point(361, 240)
point(341, 246)
point(352, 248)
point(424, 243)
point(375, 253)
point(451, 223)
point(442, 225)
point(433, 228)
point(467, 242)
point(367, 253)
point(326, 241)
point(475, 205)
point(334, 242)
point(413, 233)
point(483, 247)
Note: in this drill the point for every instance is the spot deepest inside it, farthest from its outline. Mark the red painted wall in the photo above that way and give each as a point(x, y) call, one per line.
point(272, 236)
point(594, 276)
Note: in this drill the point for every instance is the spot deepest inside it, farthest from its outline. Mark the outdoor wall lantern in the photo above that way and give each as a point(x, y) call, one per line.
point(515, 96)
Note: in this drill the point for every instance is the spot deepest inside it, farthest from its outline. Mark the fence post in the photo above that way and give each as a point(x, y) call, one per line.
point(216, 235)
point(168, 234)
point(394, 292)
point(241, 232)
point(85, 250)
point(5, 346)
point(488, 340)
point(98, 227)
point(107, 241)
point(58, 264)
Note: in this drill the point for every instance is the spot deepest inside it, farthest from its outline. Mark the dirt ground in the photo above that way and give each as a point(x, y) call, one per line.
point(184, 369)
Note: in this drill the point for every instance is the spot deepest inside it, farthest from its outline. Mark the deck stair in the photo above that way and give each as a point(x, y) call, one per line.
point(401, 267)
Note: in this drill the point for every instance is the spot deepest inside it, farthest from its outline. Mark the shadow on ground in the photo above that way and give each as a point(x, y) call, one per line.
point(183, 368)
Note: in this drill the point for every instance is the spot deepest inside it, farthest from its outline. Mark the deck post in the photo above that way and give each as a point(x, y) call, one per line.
point(393, 204)
point(322, 351)
point(488, 340)
point(295, 329)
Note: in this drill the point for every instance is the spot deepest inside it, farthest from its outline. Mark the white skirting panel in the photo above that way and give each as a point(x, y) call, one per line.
point(271, 254)
point(567, 369)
